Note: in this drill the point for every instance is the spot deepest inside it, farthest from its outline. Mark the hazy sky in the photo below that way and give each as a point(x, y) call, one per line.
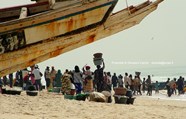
point(160, 37)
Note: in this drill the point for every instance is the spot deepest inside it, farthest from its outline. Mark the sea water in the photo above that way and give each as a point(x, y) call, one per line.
point(160, 74)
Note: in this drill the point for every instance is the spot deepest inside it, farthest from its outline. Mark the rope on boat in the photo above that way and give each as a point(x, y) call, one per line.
point(128, 7)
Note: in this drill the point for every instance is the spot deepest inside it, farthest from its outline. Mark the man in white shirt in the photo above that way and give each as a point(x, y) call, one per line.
point(37, 76)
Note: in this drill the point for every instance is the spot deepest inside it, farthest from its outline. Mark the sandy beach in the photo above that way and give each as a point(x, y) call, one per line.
point(54, 106)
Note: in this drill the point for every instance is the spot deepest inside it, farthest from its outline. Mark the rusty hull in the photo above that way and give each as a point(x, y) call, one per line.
point(13, 61)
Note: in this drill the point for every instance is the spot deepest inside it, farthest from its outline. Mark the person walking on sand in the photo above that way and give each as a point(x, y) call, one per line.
point(1, 85)
point(99, 77)
point(52, 77)
point(130, 82)
point(174, 86)
point(37, 75)
point(77, 79)
point(57, 80)
point(157, 87)
point(88, 80)
point(108, 81)
point(114, 81)
point(66, 84)
point(126, 78)
point(138, 84)
point(167, 85)
point(143, 85)
point(33, 81)
point(120, 81)
point(10, 79)
point(135, 84)
point(180, 83)
point(149, 86)
point(47, 77)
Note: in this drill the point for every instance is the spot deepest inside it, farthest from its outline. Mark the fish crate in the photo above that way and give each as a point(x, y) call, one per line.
point(13, 92)
point(70, 97)
point(120, 99)
point(120, 91)
point(131, 100)
point(56, 90)
point(32, 93)
point(81, 97)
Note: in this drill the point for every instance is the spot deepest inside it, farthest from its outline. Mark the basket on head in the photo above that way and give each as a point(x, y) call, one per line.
point(98, 55)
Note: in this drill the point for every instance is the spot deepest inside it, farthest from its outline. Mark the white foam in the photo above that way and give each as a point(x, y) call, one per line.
point(163, 95)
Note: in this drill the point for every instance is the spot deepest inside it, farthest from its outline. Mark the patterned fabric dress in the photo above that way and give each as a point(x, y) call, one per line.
point(66, 84)
point(88, 81)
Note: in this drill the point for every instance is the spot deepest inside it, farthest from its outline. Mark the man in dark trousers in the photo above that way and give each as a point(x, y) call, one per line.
point(99, 78)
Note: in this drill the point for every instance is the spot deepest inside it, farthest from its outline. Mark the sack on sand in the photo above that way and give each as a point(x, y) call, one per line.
point(97, 97)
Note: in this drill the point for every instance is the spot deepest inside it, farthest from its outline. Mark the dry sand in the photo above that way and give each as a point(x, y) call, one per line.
point(54, 106)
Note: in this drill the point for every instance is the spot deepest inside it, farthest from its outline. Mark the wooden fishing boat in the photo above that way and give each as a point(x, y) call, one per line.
point(65, 17)
point(61, 37)
point(11, 13)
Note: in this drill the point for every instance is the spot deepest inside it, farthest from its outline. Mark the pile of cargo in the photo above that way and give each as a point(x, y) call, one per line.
point(123, 96)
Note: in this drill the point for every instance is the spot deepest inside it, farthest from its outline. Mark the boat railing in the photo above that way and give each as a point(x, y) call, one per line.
point(65, 4)
point(11, 13)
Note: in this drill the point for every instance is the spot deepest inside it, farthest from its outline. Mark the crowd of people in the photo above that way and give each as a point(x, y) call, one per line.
point(175, 85)
point(85, 80)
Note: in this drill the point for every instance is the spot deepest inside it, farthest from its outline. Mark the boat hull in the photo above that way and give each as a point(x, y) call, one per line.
point(22, 32)
point(65, 24)
point(13, 61)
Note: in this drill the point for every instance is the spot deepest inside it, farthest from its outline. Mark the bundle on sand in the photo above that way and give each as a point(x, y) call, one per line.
point(97, 97)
